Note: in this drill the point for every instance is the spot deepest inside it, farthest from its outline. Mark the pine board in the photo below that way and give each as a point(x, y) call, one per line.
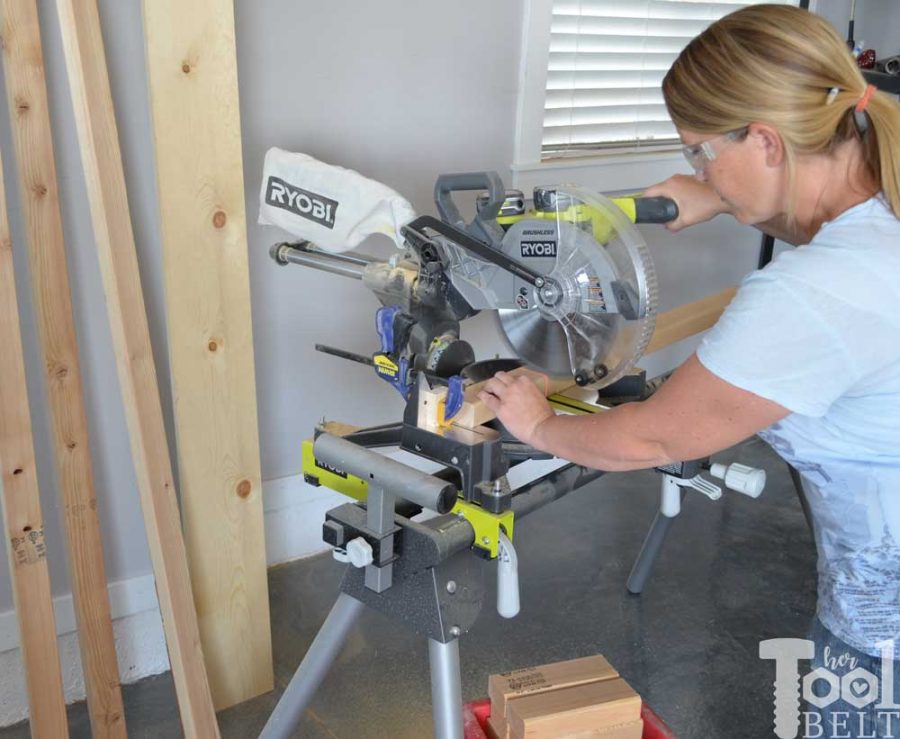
point(192, 71)
point(26, 92)
point(101, 158)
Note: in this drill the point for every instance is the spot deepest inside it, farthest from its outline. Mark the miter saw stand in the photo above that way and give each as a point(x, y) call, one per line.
point(429, 574)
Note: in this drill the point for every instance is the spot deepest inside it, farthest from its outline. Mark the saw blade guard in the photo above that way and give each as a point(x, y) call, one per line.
point(595, 312)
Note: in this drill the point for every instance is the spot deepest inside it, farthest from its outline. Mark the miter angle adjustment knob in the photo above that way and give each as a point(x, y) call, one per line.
point(359, 552)
point(740, 478)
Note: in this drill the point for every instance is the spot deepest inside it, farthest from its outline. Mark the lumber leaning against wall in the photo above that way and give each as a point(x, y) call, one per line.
point(192, 70)
point(26, 93)
point(101, 158)
point(24, 524)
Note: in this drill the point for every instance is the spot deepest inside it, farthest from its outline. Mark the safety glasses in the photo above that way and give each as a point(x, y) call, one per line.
point(699, 155)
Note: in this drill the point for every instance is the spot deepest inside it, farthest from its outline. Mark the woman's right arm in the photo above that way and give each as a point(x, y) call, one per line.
point(698, 203)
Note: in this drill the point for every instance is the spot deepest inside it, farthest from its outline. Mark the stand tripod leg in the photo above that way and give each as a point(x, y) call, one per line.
point(312, 670)
point(640, 573)
point(446, 689)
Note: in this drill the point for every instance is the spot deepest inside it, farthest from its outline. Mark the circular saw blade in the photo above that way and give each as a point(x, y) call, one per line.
point(595, 315)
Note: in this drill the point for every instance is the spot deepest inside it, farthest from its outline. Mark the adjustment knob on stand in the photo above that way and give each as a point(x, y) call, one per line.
point(359, 552)
point(740, 478)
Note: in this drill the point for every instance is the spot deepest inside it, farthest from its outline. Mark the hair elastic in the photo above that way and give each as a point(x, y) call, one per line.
point(866, 97)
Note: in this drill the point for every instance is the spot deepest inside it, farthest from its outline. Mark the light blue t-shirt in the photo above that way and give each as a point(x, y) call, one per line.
point(818, 331)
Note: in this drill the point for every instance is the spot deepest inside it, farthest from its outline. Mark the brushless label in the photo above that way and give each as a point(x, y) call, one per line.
point(296, 200)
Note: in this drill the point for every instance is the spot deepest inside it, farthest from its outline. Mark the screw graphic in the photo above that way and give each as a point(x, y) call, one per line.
point(786, 653)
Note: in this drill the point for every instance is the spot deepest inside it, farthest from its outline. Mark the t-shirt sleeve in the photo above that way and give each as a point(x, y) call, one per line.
point(785, 341)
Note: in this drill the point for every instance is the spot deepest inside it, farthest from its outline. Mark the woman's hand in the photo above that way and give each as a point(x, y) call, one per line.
point(697, 201)
point(519, 405)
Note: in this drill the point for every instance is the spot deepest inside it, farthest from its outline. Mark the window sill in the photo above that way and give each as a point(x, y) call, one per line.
point(616, 171)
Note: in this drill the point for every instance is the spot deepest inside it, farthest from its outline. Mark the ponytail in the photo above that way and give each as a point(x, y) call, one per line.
point(780, 65)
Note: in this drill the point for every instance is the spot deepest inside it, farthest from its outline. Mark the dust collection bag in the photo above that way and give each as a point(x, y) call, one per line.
point(333, 207)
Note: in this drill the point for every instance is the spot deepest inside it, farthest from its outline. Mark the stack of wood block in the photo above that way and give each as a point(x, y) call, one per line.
point(579, 698)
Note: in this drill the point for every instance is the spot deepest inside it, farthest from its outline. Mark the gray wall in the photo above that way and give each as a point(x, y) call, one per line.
point(877, 22)
point(399, 90)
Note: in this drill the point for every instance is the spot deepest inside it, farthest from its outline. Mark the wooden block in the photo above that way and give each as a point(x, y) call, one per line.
point(26, 93)
point(192, 71)
point(430, 400)
point(591, 706)
point(497, 728)
point(95, 119)
point(22, 517)
point(337, 428)
point(530, 680)
point(631, 730)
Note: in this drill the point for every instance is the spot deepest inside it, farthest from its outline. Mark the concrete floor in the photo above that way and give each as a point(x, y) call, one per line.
point(732, 573)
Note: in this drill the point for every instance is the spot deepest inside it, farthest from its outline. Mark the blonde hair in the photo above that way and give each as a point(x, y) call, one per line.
point(777, 64)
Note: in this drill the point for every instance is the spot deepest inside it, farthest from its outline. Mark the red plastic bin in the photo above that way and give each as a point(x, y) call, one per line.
point(475, 716)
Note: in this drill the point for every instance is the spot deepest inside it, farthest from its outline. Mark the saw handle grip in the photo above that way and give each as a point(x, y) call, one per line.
point(447, 184)
point(655, 210)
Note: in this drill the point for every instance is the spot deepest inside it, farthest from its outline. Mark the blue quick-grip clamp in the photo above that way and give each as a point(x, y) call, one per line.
point(388, 366)
point(455, 396)
point(384, 324)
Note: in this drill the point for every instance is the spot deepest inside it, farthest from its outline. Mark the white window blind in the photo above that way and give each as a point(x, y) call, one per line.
point(605, 69)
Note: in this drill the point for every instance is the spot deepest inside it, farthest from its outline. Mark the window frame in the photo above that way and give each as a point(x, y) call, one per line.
point(617, 169)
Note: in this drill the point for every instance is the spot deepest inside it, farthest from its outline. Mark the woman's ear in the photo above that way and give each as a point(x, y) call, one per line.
point(768, 138)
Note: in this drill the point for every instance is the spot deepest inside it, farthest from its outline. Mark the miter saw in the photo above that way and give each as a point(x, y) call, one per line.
point(572, 286)
point(571, 280)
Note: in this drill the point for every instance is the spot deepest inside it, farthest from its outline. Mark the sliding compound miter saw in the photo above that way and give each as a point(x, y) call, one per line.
point(570, 281)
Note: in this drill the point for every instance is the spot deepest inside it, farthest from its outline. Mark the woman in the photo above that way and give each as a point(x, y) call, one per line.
point(783, 134)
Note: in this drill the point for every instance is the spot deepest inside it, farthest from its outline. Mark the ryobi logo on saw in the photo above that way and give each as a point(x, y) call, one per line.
point(301, 202)
point(538, 248)
point(328, 468)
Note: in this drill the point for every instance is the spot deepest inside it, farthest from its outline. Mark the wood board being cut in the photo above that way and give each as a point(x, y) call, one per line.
point(672, 326)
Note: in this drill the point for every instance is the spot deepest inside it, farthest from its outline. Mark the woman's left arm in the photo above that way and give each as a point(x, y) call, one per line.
point(693, 414)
